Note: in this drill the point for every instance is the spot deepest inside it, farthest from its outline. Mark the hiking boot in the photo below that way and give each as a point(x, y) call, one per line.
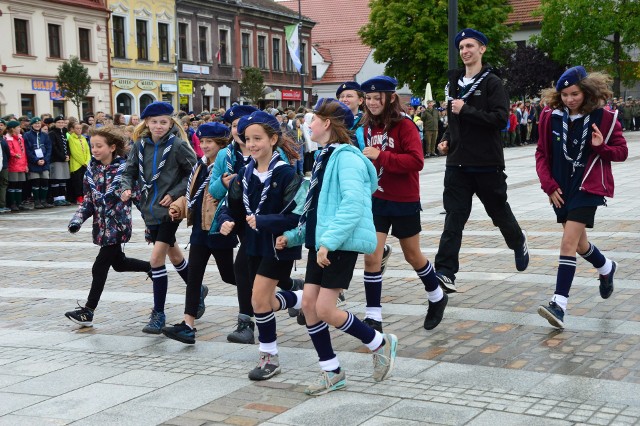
point(376, 325)
point(297, 285)
point(204, 290)
point(552, 313)
point(156, 322)
point(447, 284)
point(81, 315)
point(384, 357)
point(180, 332)
point(244, 333)
point(268, 366)
point(522, 255)
point(435, 313)
point(606, 282)
point(386, 254)
point(327, 381)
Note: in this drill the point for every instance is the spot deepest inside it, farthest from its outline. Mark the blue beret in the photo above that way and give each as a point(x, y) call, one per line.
point(381, 83)
point(238, 111)
point(154, 109)
point(213, 130)
point(258, 117)
point(471, 33)
point(348, 85)
point(344, 113)
point(571, 77)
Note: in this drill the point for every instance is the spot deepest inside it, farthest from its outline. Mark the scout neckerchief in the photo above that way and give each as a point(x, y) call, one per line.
point(231, 152)
point(205, 184)
point(163, 160)
point(575, 162)
point(100, 197)
point(465, 93)
point(385, 142)
point(267, 183)
point(317, 166)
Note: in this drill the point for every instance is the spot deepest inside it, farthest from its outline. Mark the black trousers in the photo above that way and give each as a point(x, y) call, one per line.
point(198, 258)
point(111, 256)
point(459, 187)
point(76, 182)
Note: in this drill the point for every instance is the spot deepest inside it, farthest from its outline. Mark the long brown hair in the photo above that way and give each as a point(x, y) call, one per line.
point(284, 141)
point(596, 88)
point(331, 110)
point(391, 113)
point(113, 135)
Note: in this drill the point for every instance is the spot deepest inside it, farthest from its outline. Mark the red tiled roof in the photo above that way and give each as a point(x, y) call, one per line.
point(522, 12)
point(324, 52)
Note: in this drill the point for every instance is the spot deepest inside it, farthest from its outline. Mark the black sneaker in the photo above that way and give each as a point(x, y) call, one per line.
point(204, 290)
point(244, 332)
point(447, 284)
point(522, 255)
point(297, 285)
point(81, 315)
point(435, 313)
point(386, 254)
point(300, 319)
point(268, 366)
point(376, 325)
point(606, 282)
point(552, 313)
point(180, 332)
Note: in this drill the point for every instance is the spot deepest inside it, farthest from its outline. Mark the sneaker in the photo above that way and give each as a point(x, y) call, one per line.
point(376, 325)
point(156, 322)
point(435, 313)
point(59, 203)
point(268, 366)
point(606, 282)
point(38, 205)
point(81, 315)
point(244, 333)
point(327, 381)
point(384, 357)
point(552, 313)
point(204, 290)
point(297, 285)
point(341, 299)
point(180, 332)
point(448, 284)
point(522, 255)
point(4, 210)
point(386, 254)
point(300, 319)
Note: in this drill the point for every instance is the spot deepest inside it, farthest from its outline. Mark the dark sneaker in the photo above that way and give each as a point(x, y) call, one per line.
point(327, 381)
point(341, 299)
point(435, 313)
point(384, 357)
point(606, 282)
point(156, 322)
point(38, 205)
point(180, 332)
point(297, 285)
point(268, 366)
point(81, 315)
point(204, 290)
point(300, 319)
point(376, 325)
point(244, 333)
point(552, 313)
point(522, 255)
point(386, 254)
point(447, 284)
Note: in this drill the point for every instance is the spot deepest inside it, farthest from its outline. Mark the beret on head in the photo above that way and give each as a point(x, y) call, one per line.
point(381, 83)
point(3, 122)
point(343, 113)
point(274, 111)
point(238, 111)
point(157, 108)
point(471, 33)
point(571, 77)
point(59, 118)
point(48, 121)
point(348, 85)
point(12, 124)
point(35, 120)
point(213, 130)
point(258, 117)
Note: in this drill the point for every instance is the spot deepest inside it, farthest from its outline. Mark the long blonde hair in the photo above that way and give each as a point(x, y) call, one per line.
point(142, 130)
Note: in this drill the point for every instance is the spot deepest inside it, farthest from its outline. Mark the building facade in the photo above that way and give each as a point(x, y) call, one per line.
point(39, 36)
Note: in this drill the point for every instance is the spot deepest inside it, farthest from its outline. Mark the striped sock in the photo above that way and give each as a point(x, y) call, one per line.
point(597, 259)
point(361, 331)
point(428, 277)
point(566, 271)
point(289, 299)
point(321, 340)
point(266, 323)
point(183, 269)
point(160, 285)
point(373, 294)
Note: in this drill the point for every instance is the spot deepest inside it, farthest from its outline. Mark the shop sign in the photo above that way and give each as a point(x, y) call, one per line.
point(56, 96)
point(124, 83)
point(184, 100)
point(291, 95)
point(44, 85)
point(191, 69)
point(169, 87)
point(147, 85)
point(186, 87)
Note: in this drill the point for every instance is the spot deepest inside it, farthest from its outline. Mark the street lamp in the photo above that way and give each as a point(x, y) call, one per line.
point(203, 90)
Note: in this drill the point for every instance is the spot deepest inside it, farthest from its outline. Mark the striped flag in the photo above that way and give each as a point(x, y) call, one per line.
point(293, 43)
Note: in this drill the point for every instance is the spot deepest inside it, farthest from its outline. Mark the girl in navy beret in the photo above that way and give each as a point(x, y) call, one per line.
point(350, 93)
point(578, 140)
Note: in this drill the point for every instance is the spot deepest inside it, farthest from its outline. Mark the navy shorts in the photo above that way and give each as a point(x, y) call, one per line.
point(401, 226)
point(586, 215)
point(279, 270)
point(165, 232)
point(336, 275)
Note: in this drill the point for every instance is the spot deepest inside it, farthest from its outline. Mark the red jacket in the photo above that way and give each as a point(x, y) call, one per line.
point(513, 123)
point(16, 147)
point(597, 178)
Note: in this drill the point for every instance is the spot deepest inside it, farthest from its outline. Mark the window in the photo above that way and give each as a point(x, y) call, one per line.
point(314, 72)
point(119, 49)
point(163, 42)
point(123, 104)
point(58, 108)
point(276, 55)
point(262, 54)
point(21, 27)
point(303, 51)
point(202, 43)
point(28, 104)
point(145, 100)
point(290, 67)
point(141, 34)
point(54, 41)
point(246, 58)
point(223, 47)
point(87, 106)
point(84, 38)
point(182, 40)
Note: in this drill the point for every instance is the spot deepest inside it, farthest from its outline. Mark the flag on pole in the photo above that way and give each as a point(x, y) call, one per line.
point(218, 55)
point(293, 43)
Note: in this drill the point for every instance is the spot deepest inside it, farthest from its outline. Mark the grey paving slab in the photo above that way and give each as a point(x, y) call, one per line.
point(101, 342)
point(592, 389)
point(146, 378)
point(38, 338)
point(492, 418)
point(131, 414)
point(33, 369)
point(10, 402)
point(7, 380)
point(13, 420)
point(431, 412)
point(389, 421)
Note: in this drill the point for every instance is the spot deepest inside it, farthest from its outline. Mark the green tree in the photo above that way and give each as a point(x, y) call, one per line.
point(598, 34)
point(252, 85)
point(74, 81)
point(411, 37)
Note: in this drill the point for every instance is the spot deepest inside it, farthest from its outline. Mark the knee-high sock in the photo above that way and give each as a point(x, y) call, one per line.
point(182, 268)
point(266, 323)
point(373, 294)
point(160, 285)
point(321, 340)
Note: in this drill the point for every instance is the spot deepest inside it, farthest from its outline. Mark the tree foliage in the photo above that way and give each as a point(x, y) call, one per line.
point(74, 81)
point(528, 70)
point(598, 34)
point(252, 84)
point(411, 36)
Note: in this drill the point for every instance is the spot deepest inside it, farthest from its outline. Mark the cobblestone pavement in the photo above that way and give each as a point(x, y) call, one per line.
point(492, 360)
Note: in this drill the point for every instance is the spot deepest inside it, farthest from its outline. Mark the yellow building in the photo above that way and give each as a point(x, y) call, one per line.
point(142, 53)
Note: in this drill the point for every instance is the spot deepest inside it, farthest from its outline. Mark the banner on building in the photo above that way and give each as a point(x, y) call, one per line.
point(291, 95)
point(44, 85)
point(186, 87)
point(293, 43)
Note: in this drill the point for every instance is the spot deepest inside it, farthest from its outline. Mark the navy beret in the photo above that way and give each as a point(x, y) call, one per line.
point(48, 121)
point(571, 77)
point(471, 33)
point(381, 83)
point(157, 108)
point(238, 111)
point(213, 130)
point(344, 113)
point(59, 118)
point(348, 85)
point(258, 117)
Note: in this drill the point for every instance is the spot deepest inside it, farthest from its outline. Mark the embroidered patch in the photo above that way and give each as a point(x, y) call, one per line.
point(373, 87)
point(566, 83)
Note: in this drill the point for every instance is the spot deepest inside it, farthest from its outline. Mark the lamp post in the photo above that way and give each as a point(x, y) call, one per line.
point(453, 30)
point(203, 91)
point(302, 102)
